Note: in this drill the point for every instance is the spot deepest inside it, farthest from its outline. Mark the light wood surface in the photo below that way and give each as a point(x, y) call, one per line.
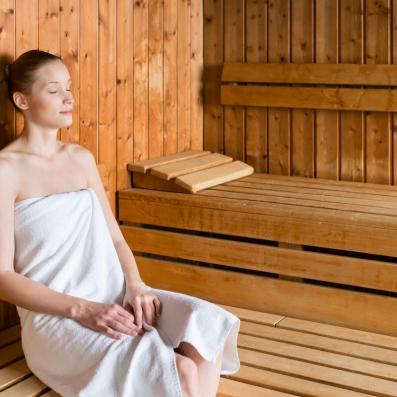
point(145, 165)
point(309, 73)
point(209, 177)
point(182, 167)
point(381, 100)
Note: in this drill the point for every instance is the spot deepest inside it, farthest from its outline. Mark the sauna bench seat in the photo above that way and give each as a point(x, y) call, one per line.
point(280, 356)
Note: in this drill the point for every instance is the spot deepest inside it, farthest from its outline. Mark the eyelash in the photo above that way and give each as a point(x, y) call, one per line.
point(54, 92)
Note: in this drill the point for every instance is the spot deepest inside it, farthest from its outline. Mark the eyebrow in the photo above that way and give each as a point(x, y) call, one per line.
point(56, 81)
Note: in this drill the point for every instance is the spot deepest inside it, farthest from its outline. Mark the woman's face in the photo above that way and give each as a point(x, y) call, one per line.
point(51, 100)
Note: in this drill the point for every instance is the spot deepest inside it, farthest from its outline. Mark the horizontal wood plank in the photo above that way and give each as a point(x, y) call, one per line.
point(242, 255)
point(381, 100)
point(203, 179)
point(173, 170)
point(365, 311)
point(145, 165)
point(309, 73)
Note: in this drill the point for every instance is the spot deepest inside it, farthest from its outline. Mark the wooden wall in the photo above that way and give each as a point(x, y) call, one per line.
point(136, 68)
point(358, 146)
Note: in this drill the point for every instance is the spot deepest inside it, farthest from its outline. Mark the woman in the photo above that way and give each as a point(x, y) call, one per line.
point(90, 326)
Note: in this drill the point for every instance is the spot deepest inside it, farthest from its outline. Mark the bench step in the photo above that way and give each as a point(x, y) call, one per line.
point(280, 357)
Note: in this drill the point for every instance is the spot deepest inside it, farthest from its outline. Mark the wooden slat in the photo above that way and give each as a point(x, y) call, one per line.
point(183, 75)
point(148, 181)
point(335, 377)
point(9, 335)
point(257, 118)
point(213, 176)
point(291, 384)
point(327, 121)
point(279, 120)
point(381, 100)
point(182, 167)
point(107, 134)
point(234, 117)
point(254, 315)
point(365, 311)
point(319, 357)
point(316, 266)
point(323, 343)
point(352, 132)
point(141, 80)
point(343, 333)
point(30, 387)
point(13, 373)
point(124, 144)
point(10, 353)
point(145, 165)
point(309, 73)
point(232, 388)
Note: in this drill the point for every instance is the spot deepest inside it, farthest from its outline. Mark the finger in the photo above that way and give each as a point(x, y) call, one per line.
point(148, 311)
point(157, 305)
point(136, 304)
point(125, 313)
point(110, 332)
point(119, 326)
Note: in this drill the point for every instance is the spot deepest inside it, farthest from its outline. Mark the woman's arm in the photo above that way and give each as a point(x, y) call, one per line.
point(31, 295)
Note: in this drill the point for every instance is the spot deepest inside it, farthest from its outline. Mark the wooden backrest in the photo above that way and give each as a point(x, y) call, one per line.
point(311, 86)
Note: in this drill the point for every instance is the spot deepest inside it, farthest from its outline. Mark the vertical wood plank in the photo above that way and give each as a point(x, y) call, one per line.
point(156, 95)
point(27, 36)
point(327, 121)
point(88, 59)
point(213, 59)
point(107, 155)
point(48, 23)
point(196, 72)
point(7, 49)
point(234, 51)
point(256, 127)
point(279, 119)
point(183, 62)
point(69, 42)
point(141, 92)
point(394, 115)
point(302, 121)
point(125, 93)
point(170, 77)
point(378, 125)
point(352, 126)
point(49, 26)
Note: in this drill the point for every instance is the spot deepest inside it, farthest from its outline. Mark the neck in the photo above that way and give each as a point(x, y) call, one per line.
point(41, 141)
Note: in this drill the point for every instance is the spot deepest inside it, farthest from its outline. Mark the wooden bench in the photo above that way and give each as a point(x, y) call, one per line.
point(320, 254)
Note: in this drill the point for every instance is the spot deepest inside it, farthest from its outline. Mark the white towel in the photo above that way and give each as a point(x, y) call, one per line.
point(62, 240)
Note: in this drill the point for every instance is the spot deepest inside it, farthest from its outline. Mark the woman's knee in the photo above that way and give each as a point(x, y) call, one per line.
point(188, 374)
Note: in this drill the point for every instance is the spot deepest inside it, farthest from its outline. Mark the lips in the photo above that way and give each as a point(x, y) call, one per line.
point(67, 112)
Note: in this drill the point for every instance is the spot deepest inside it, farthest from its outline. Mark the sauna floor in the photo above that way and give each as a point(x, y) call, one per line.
point(280, 356)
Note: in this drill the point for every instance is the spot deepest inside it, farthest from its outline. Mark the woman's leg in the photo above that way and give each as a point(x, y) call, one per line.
point(188, 376)
point(208, 373)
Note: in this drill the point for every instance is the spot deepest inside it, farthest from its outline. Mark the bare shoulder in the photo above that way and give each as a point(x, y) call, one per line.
point(9, 174)
point(86, 162)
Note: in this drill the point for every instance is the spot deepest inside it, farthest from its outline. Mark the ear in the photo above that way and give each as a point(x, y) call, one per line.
point(20, 100)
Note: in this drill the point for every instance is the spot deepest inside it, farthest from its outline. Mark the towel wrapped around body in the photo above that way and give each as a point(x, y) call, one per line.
point(62, 241)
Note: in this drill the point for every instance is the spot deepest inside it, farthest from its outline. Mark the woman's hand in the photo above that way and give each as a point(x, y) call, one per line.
point(139, 300)
point(110, 319)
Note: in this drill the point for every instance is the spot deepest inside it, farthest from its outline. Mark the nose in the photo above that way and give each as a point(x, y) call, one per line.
point(69, 98)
